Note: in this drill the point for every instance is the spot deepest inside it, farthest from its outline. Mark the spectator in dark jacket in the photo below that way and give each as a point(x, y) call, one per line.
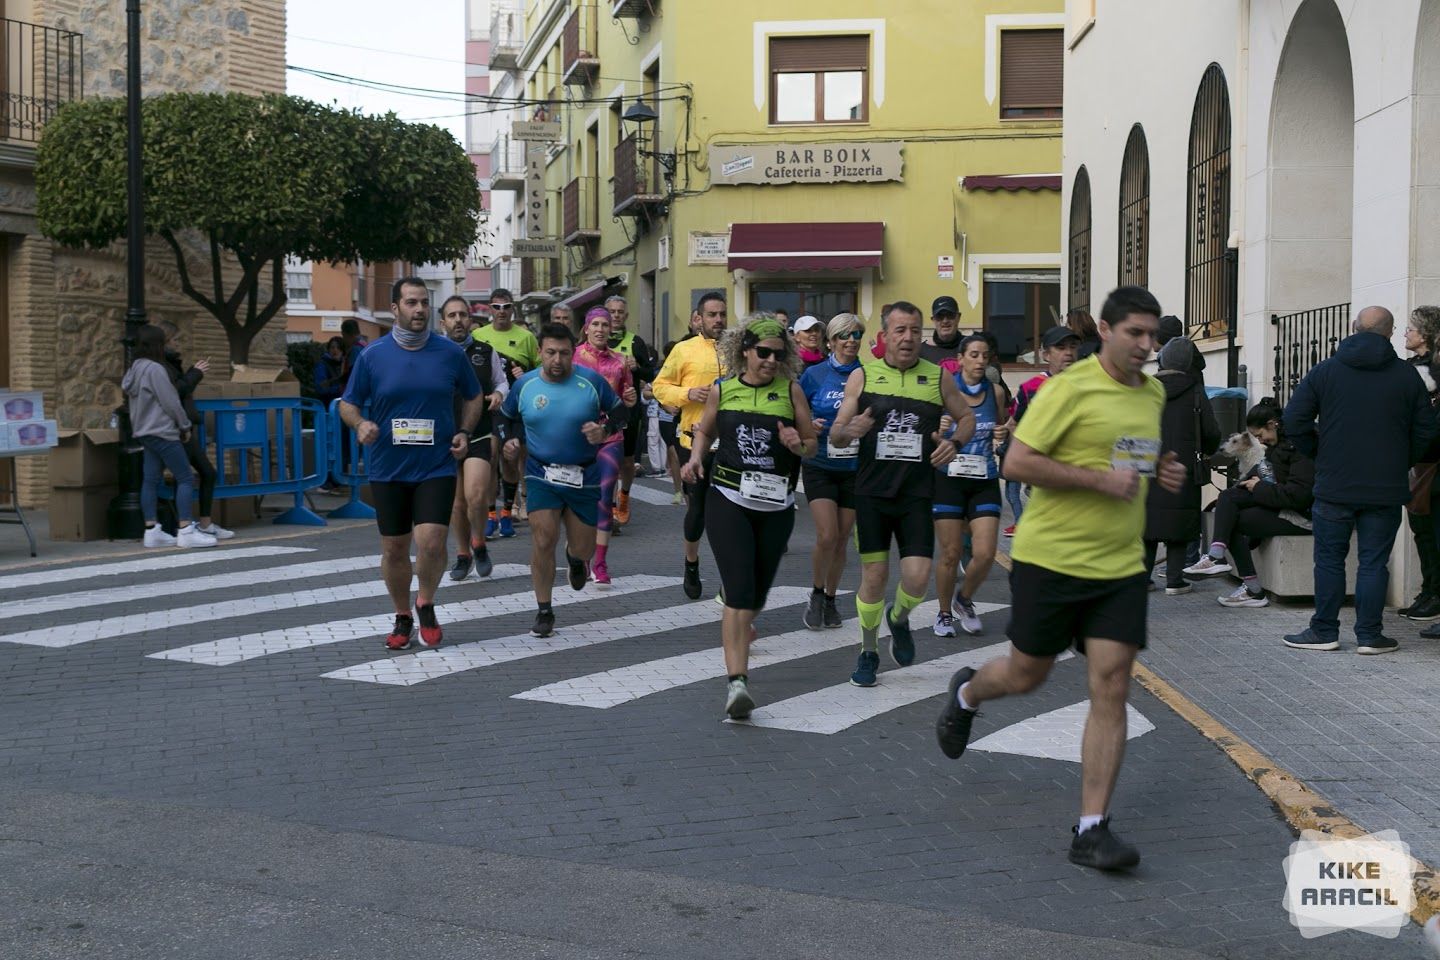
point(1272, 500)
point(329, 373)
point(1375, 423)
point(185, 380)
point(1084, 327)
point(1188, 427)
point(1420, 339)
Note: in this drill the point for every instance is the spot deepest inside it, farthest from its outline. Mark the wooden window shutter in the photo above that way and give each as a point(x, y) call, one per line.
point(1031, 69)
point(819, 54)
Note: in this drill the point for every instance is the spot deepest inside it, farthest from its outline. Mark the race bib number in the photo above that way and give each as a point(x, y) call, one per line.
point(1140, 454)
point(412, 433)
point(841, 453)
point(564, 475)
point(969, 465)
point(764, 486)
point(898, 446)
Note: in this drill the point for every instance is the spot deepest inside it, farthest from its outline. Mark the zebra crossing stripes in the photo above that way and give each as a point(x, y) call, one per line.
point(232, 650)
point(181, 588)
point(611, 688)
point(841, 706)
point(163, 561)
point(411, 669)
point(648, 494)
point(1055, 735)
point(70, 634)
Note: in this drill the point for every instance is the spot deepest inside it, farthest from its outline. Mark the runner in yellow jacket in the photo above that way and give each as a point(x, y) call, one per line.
point(685, 382)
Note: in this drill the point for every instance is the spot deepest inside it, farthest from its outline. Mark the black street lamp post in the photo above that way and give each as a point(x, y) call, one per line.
point(125, 520)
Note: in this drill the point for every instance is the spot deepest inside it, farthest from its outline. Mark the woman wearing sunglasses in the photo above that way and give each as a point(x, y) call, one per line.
point(763, 426)
point(830, 474)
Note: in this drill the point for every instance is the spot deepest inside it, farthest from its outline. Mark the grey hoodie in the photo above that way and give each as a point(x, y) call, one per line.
point(155, 407)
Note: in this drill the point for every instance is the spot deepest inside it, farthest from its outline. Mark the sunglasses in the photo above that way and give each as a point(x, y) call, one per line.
point(502, 306)
point(765, 353)
point(852, 335)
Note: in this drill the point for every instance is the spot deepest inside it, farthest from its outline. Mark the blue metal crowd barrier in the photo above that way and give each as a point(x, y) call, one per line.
point(269, 442)
point(348, 467)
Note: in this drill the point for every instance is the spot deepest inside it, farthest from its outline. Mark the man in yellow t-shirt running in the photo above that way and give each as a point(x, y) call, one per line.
point(1089, 445)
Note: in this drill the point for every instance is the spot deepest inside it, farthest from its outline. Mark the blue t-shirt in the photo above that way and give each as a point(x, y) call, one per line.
point(552, 415)
point(824, 387)
point(982, 442)
point(410, 395)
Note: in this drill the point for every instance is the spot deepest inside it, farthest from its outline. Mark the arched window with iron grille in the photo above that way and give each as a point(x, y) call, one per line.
point(1080, 242)
point(1135, 211)
point(1207, 267)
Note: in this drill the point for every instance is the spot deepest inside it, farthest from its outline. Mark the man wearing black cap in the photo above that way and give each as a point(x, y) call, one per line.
point(943, 347)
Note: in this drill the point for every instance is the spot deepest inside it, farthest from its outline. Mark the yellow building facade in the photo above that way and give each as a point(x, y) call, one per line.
point(831, 161)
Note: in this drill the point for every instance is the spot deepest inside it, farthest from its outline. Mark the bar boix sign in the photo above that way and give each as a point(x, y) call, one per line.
point(829, 162)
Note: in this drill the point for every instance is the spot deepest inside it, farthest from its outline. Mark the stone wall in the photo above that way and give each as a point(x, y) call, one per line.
point(67, 307)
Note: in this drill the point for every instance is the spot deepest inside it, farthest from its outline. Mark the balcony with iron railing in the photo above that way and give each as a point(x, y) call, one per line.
point(41, 70)
point(638, 187)
point(633, 9)
point(538, 277)
point(581, 210)
point(507, 35)
point(579, 46)
point(1302, 340)
point(507, 164)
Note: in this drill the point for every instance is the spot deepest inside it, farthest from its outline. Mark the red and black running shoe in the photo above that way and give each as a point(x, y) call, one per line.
point(399, 638)
point(430, 632)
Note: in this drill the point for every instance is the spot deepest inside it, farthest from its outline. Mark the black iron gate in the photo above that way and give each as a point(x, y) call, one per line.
point(1302, 340)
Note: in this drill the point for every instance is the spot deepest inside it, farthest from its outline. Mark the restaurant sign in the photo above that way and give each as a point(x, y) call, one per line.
point(831, 162)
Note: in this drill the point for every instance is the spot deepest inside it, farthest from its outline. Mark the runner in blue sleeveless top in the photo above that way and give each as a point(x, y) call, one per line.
point(830, 475)
point(967, 490)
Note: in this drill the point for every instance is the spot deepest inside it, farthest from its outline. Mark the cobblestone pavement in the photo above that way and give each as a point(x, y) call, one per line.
point(258, 684)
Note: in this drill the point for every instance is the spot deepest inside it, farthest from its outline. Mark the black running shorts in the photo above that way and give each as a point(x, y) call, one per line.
point(906, 521)
point(401, 507)
point(1052, 611)
point(481, 448)
point(632, 437)
point(966, 498)
point(822, 484)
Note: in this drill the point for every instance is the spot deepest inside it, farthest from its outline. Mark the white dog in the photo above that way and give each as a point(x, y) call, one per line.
point(1244, 449)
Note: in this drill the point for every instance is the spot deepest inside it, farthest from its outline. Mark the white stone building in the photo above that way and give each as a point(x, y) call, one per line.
point(1300, 136)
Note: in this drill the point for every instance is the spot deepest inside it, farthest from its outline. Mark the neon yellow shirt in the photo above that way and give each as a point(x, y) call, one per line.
point(516, 344)
point(1085, 418)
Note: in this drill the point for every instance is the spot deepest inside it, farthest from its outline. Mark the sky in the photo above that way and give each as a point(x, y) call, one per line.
point(357, 38)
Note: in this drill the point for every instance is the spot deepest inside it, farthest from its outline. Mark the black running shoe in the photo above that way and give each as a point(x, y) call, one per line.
point(1101, 849)
point(483, 566)
point(400, 634)
point(461, 570)
point(579, 572)
point(953, 727)
point(814, 617)
point(902, 641)
point(832, 614)
point(692, 579)
point(544, 623)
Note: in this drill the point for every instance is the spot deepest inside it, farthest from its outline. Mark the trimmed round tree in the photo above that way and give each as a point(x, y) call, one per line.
point(262, 179)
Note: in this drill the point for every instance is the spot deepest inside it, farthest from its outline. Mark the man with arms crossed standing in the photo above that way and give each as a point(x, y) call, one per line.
point(400, 402)
point(1088, 446)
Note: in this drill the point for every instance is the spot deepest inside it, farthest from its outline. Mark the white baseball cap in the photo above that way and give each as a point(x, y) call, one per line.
point(804, 323)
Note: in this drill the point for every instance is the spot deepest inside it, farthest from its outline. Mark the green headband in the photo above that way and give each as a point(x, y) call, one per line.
point(764, 330)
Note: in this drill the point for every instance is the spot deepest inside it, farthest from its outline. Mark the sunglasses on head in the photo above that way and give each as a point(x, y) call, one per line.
point(852, 335)
point(765, 353)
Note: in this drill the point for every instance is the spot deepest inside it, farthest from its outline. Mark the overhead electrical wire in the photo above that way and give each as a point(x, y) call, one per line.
point(430, 93)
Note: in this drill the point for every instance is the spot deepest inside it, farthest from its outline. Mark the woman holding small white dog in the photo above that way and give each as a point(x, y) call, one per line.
point(1272, 500)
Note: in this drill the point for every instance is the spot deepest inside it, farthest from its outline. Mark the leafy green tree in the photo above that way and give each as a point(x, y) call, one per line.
point(261, 178)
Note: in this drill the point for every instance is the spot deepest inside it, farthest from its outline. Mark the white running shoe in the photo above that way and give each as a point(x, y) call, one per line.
point(944, 625)
point(1242, 597)
point(157, 537)
point(192, 536)
point(969, 619)
point(1207, 566)
point(217, 531)
point(738, 702)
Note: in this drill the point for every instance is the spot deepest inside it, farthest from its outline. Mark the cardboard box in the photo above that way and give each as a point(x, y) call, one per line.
point(85, 458)
point(79, 514)
point(209, 389)
point(15, 406)
point(32, 435)
point(267, 382)
point(236, 512)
